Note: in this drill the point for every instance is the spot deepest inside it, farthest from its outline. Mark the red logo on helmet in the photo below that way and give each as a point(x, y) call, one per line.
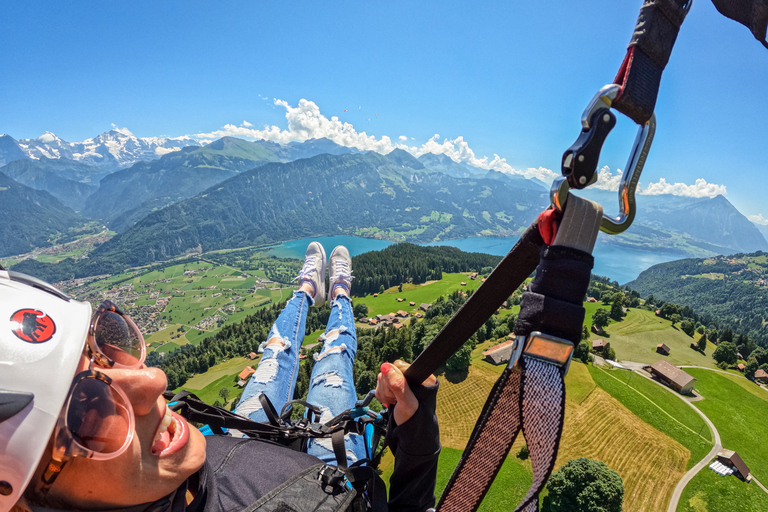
point(32, 325)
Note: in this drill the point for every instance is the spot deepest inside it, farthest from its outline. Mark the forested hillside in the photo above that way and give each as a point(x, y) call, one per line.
point(727, 291)
point(31, 218)
point(403, 263)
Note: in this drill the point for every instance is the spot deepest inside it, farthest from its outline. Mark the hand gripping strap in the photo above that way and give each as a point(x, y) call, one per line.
point(493, 436)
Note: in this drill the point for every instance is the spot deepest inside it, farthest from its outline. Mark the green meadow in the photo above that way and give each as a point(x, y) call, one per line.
point(739, 413)
point(426, 293)
point(657, 406)
point(635, 338)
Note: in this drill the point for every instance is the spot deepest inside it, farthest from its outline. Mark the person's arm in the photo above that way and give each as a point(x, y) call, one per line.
point(413, 436)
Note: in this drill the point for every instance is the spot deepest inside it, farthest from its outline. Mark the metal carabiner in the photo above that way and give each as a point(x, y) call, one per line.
point(637, 157)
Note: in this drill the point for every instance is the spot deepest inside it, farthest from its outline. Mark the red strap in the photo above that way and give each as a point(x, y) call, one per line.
point(548, 222)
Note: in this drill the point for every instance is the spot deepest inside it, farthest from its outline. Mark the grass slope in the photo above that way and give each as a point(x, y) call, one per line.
point(710, 492)
point(659, 408)
point(740, 417)
point(597, 426)
point(636, 336)
point(387, 303)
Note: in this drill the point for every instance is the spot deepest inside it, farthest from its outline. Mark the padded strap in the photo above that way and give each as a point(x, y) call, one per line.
point(753, 14)
point(531, 394)
point(647, 55)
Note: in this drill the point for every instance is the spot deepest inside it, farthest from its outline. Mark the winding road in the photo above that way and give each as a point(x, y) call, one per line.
point(687, 477)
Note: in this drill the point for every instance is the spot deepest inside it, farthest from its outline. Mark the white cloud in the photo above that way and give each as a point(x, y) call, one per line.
point(305, 121)
point(699, 189)
point(758, 219)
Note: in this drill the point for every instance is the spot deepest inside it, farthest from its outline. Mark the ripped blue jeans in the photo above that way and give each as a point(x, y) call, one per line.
point(331, 386)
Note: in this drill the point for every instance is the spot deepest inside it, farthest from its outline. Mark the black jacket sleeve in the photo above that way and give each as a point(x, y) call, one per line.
point(416, 447)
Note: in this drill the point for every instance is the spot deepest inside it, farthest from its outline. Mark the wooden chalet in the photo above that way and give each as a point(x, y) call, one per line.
point(499, 354)
point(662, 349)
point(401, 313)
point(741, 367)
point(673, 377)
point(246, 373)
point(412, 303)
point(253, 355)
point(731, 458)
point(761, 376)
point(424, 306)
point(598, 345)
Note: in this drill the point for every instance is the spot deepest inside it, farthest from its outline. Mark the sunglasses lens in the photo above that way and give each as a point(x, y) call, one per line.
point(97, 416)
point(117, 339)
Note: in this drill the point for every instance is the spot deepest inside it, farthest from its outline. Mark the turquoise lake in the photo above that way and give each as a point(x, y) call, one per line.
point(618, 263)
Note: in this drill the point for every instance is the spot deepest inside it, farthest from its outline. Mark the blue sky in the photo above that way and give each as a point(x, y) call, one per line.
point(488, 78)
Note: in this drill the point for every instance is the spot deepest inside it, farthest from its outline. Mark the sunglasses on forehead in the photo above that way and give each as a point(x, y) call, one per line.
point(97, 419)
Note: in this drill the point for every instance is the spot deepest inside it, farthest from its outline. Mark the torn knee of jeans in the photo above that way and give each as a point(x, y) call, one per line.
point(249, 406)
point(330, 351)
point(276, 344)
point(266, 371)
point(331, 379)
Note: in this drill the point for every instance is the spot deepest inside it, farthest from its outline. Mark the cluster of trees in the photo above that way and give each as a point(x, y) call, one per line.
point(736, 302)
point(408, 263)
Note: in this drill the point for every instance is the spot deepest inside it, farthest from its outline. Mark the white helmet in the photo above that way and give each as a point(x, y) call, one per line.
point(42, 335)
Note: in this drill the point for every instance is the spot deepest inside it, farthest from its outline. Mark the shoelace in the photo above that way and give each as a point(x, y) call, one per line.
point(342, 272)
point(306, 270)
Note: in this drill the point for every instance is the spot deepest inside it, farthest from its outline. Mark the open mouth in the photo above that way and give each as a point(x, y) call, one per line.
point(172, 434)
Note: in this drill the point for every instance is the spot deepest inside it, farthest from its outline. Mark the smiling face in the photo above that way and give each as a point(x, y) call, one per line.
point(164, 452)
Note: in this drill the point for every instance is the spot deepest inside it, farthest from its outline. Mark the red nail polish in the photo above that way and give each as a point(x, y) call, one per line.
point(386, 368)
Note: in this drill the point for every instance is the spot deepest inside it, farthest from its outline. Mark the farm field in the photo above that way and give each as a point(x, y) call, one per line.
point(207, 385)
point(596, 426)
point(738, 415)
point(658, 407)
point(185, 303)
point(387, 303)
point(636, 336)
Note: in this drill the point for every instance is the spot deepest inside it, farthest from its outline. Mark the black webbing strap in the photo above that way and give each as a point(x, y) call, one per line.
point(510, 273)
point(530, 393)
point(753, 14)
point(647, 55)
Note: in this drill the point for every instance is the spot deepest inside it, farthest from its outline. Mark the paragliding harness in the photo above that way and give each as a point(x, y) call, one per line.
point(361, 478)
point(530, 393)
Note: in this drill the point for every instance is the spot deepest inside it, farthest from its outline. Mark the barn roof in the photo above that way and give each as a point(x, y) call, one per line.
point(673, 373)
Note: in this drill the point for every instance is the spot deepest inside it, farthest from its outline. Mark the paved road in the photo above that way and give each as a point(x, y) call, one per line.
point(712, 453)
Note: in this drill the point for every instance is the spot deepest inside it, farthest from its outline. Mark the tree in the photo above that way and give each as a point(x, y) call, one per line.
point(582, 351)
point(669, 309)
point(617, 310)
point(727, 335)
point(687, 326)
point(360, 311)
point(601, 318)
point(725, 353)
point(675, 318)
point(584, 485)
point(703, 343)
point(460, 361)
point(750, 368)
point(224, 394)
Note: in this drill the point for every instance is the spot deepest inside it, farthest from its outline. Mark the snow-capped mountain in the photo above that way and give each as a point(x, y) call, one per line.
point(115, 149)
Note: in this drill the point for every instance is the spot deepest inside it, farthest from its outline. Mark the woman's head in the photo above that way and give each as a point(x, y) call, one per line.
point(69, 405)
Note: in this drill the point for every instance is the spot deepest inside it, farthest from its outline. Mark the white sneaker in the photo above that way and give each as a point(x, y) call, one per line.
point(340, 270)
point(313, 272)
